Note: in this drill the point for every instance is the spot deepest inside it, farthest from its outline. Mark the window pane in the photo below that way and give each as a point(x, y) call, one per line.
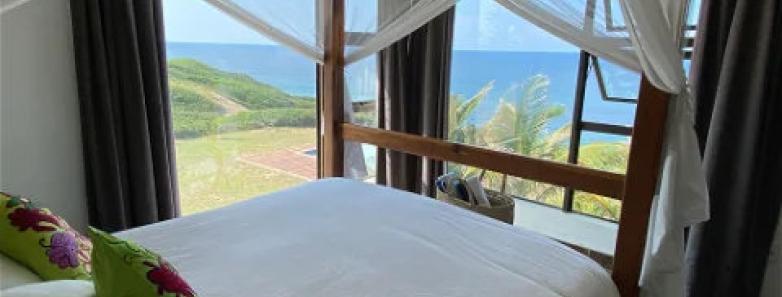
point(604, 151)
point(516, 94)
point(613, 13)
point(243, 109)
point(693, 12)
point(512, 84)
point(618, 82)
point(362, 88)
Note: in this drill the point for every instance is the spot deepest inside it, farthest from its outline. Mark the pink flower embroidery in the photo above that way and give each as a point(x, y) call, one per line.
point(84, 249)
point(31, 218)
point(168, 280)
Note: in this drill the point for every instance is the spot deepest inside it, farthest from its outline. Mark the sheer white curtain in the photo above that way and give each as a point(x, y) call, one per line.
point(596, 26)
point(355, 164)
point(399, 19)
point(297, 24)
point(682, 200)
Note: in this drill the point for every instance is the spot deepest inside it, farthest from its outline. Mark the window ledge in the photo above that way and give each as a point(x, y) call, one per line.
point(575, 229)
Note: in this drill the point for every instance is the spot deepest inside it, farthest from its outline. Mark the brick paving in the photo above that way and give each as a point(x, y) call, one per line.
point(291, 161)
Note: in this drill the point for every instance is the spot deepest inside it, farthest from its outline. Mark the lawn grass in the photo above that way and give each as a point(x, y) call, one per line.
point(211, 175)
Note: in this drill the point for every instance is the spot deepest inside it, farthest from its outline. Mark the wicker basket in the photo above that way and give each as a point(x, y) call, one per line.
point(501, 209)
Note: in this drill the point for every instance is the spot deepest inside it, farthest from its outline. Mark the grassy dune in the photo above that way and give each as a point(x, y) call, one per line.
point(220, 116)
point(206, 100)
point(211, 174)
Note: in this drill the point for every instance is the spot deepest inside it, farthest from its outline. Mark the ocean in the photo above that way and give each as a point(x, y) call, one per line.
point(471, 70)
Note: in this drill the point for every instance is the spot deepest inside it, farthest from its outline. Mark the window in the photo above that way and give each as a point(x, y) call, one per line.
point(604, 109)
point(244, 112)
point(518, 95)
point(539, 96)
point(690, 28)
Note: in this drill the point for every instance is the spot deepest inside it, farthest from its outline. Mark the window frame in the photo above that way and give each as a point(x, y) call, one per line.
point(589, 62)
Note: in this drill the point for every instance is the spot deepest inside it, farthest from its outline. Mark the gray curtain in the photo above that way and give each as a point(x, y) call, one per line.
point(737, 81)
point(414, 84)
point(125, 112)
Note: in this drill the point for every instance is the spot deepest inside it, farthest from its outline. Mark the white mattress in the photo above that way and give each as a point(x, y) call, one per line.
point(338, 237)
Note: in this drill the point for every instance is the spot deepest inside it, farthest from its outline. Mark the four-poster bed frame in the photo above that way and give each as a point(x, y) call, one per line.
point(635, 189)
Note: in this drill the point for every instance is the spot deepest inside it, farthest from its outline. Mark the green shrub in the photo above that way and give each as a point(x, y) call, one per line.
point(187, 98)
point(195, 124)
point(278, 117)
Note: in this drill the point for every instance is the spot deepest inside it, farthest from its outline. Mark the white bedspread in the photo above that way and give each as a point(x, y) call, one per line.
point(343, 238)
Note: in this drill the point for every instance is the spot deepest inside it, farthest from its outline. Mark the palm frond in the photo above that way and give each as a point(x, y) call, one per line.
point(611, 156)
point(466, 108)
point(459, 112)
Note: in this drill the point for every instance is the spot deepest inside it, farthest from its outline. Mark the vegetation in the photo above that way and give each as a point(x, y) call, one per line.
point(212, 173)
point(521, 125)
point(207, 101)
point(221, 116)
point(239, 87)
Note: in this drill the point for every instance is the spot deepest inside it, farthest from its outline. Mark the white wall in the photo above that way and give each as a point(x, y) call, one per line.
point(40, 136)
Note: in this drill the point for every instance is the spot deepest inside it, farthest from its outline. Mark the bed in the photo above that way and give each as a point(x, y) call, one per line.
point(339, 237)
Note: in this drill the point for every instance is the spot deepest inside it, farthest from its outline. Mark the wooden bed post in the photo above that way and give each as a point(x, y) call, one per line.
point(332, 91)
point(640, 184)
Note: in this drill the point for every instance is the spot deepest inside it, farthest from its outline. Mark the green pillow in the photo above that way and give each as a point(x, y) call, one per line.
point(42, 241)
point(125, 269)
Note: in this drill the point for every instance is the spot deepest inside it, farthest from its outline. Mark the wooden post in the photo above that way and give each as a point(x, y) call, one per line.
point(643, 170)
point(332, 91)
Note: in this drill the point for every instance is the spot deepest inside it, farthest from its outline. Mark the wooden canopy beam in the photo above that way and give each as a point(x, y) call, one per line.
point(332, 96)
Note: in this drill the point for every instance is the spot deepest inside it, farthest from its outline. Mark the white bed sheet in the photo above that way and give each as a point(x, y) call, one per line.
point(338, 237)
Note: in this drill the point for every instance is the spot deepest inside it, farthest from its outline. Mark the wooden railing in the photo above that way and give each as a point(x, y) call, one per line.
point(557, 173)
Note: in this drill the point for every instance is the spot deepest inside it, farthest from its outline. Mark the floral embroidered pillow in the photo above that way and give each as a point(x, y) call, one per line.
point(125, 269)
point(42, 241)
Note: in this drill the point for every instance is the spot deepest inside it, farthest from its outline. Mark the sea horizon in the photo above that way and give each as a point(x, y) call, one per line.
point(470, 71)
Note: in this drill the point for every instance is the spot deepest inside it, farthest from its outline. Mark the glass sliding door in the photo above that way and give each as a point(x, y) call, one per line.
point(244, 110)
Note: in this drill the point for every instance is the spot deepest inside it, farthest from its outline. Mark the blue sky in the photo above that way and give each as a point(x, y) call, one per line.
point(480, 25)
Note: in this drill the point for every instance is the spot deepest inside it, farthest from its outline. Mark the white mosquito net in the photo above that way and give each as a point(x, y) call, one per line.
point(297, 24)
point(641, 35)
